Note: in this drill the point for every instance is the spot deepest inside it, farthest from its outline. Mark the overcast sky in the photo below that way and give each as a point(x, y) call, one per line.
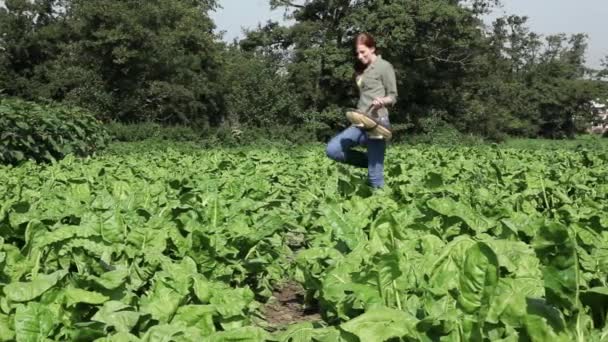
point(545, 17)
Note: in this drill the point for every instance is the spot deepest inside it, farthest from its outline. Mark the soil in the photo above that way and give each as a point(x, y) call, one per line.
point(288, 306)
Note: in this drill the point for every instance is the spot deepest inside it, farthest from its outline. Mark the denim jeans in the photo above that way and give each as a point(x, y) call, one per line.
point(340, 149)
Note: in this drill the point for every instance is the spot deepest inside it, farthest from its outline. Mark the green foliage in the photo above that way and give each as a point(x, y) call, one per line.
point(125, 60)
point(579, 143)
point(223, 136)
point(159, 61)
point(257, 94)
point(181, 243)
point(150, 130)
point(46, 132)
point(506, 81)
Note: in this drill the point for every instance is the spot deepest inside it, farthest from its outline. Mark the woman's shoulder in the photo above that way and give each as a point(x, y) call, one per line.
point(383, 63)
point(384, 67)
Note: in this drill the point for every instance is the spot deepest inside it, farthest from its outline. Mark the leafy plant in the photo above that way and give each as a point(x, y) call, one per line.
point(144, 243)
point(46, 132)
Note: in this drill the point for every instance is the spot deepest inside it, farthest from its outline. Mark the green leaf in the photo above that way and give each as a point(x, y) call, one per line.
point(446, 265)
point(113, 279)
point(478, 279)
point(301, 332)
point(166, 332)
point(246, 334)
point(380, 324)
point(539, 329)
point(6, 332)
point(202, 289)
point(26, 291)
point(64, 233)
point(74, 296)
point(598, 290)
point(448, 207)
point(346, 226)
point(117, 315)
point(162, 303)
point(199, 316)
point(119, 337)
point(557, 253)
point(33, 322)
point(517, 258)
point(231, 302)
point(510, 303)
point(379, 279)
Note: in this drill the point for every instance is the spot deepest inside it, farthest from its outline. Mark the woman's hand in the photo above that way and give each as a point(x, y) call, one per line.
point(378, 102)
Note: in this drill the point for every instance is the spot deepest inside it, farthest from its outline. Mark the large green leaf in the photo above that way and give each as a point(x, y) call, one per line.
point(448, 207)
point(199, 316)
point(478, 279)
point(345, 225)
point(34, 322)
point(6, 331)
point(113, 279)
point(117, 315)
point(162, 303)
point(119, 337)
point(301, 332)
point(74, 295)
point(381, 324)
point(539, 329)
point(231, 302)
point(556, 250)
point(247, 334)
point(380, 279)
point(510, 302)
point(442, 268)
point(26, 291)
point(166, 332)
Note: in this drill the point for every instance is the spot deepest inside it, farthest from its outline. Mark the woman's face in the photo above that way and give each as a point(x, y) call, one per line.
point(365, 54)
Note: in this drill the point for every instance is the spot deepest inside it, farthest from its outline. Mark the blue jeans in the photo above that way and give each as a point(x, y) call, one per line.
point(340, 149)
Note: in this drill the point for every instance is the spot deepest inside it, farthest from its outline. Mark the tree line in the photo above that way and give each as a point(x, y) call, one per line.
point(160, 61)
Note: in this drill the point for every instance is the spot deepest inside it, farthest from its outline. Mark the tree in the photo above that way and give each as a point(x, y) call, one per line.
point(157, 60)
point(30, 38)
point(256, 93)
point(431, 44)
point(127, 60)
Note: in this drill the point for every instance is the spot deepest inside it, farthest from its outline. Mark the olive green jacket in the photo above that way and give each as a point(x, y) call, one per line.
point(377, 80)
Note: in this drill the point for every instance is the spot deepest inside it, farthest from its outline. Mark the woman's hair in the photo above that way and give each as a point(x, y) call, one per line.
point(365, 39)
point(368, 40)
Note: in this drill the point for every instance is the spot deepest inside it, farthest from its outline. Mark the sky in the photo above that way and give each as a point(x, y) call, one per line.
point(545, 17)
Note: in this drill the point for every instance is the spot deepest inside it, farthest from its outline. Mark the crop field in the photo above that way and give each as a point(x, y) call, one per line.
point(478, 243)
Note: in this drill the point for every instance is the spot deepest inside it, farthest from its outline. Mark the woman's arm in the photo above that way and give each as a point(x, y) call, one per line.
point(390, 84)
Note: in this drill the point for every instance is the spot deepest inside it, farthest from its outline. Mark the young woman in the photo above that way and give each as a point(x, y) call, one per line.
point(375, 79)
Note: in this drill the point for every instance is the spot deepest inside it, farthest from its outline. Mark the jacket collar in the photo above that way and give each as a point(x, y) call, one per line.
point(373, 64)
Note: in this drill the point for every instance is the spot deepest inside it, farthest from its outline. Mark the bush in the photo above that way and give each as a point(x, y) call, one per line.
point(224, 135)
point(151, 130)
point(436, 131)
point(46, 132)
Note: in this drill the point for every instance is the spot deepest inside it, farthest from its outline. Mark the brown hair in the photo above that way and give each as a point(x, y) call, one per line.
point(368, 40)
point(365, 39)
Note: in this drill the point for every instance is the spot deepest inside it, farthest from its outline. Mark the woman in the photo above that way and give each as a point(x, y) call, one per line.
point(375, 79)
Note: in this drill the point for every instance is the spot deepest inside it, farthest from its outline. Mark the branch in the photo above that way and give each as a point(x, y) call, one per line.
point(288, 3)
point(445, 60)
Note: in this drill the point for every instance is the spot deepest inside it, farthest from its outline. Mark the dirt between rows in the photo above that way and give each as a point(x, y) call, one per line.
point(287, 307)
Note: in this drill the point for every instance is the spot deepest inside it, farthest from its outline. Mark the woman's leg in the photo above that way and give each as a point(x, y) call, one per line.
point(376, 149)
point(340, 147)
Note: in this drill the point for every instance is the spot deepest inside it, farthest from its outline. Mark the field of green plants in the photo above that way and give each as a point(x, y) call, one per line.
point(185, 244)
